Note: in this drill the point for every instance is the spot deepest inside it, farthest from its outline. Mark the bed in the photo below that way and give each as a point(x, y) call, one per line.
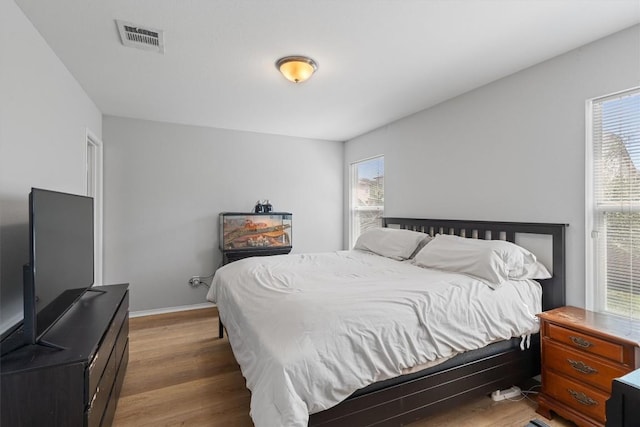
point(319, 334)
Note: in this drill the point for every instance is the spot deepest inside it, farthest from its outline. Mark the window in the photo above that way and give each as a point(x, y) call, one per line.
point(613, 204)
point(367, 196)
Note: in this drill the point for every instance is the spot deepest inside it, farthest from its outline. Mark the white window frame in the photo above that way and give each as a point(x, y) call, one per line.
point(595, 294)
point(94, 177)
point(352, 180)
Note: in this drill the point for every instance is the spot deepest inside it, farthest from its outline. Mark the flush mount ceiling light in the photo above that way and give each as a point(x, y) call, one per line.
point(296, 68)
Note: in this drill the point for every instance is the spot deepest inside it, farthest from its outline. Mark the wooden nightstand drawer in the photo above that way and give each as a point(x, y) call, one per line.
point(581, 366)
point(576, 395)
point(582, 352)
point(586, 343)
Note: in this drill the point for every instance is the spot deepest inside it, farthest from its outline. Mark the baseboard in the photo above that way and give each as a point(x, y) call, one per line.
point(166, 310)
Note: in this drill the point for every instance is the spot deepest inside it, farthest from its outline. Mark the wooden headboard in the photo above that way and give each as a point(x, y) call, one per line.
point(553, 289)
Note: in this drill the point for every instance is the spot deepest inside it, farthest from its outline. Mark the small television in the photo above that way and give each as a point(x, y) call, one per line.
point(61, 260)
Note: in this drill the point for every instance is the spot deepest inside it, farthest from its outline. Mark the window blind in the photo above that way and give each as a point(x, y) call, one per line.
point(616, 186)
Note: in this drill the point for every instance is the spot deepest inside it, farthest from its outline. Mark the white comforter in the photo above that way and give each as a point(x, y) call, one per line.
point(309, 330)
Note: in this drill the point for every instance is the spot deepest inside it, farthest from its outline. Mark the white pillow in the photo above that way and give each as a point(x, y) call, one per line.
point(533, 270)
point(493, 261)
point(427, 238)
point(390, 242)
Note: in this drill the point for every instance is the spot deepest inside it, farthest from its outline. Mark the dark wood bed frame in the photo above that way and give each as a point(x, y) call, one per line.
point(398, 404)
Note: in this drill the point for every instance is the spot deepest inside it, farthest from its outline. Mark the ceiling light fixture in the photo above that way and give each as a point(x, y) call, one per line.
point(296, 68)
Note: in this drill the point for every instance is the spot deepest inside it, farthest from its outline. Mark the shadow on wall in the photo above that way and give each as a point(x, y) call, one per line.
point(208, 256)
point(14, 253)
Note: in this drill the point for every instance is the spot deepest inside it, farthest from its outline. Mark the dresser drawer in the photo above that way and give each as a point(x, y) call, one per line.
point(587, 343)
point(581, 366)
point(109, 412)
point(99, 362)
point(100, 399)
point(121, 341)
point(578, 396)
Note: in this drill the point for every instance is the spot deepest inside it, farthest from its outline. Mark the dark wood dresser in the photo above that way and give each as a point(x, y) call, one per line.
point(79, 384)
point(582, 352)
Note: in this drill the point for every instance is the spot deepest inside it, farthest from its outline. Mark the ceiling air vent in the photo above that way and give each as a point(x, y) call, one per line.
point(144, 38)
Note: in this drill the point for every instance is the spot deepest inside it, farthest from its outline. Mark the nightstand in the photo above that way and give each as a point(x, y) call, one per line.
point(582, 352)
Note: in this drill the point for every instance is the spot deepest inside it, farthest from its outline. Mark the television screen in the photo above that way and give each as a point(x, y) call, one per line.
point(61, 257)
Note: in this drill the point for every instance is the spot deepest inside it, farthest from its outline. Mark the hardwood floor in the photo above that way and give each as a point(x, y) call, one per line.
point(181, 374)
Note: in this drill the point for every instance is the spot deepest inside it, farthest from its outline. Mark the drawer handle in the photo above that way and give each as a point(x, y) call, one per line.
point(582, 398)
point(581, 342)
point(94, 361)
point(93, 399)
point(582, 367)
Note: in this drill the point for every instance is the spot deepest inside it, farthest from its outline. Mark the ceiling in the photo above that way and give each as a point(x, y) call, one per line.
point(379, 60)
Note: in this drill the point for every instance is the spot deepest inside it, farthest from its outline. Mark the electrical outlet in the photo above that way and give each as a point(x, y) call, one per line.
point(194, 281)
point(508, 393)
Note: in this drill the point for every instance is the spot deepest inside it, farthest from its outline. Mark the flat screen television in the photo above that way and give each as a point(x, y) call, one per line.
point(60, 265)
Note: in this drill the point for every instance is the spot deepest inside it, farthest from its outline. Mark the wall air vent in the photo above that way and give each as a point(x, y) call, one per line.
point(144, 38)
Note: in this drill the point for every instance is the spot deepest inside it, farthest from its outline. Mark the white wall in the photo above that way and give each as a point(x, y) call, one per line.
point(512, 150)
point(165, 185)
point(44, 115)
